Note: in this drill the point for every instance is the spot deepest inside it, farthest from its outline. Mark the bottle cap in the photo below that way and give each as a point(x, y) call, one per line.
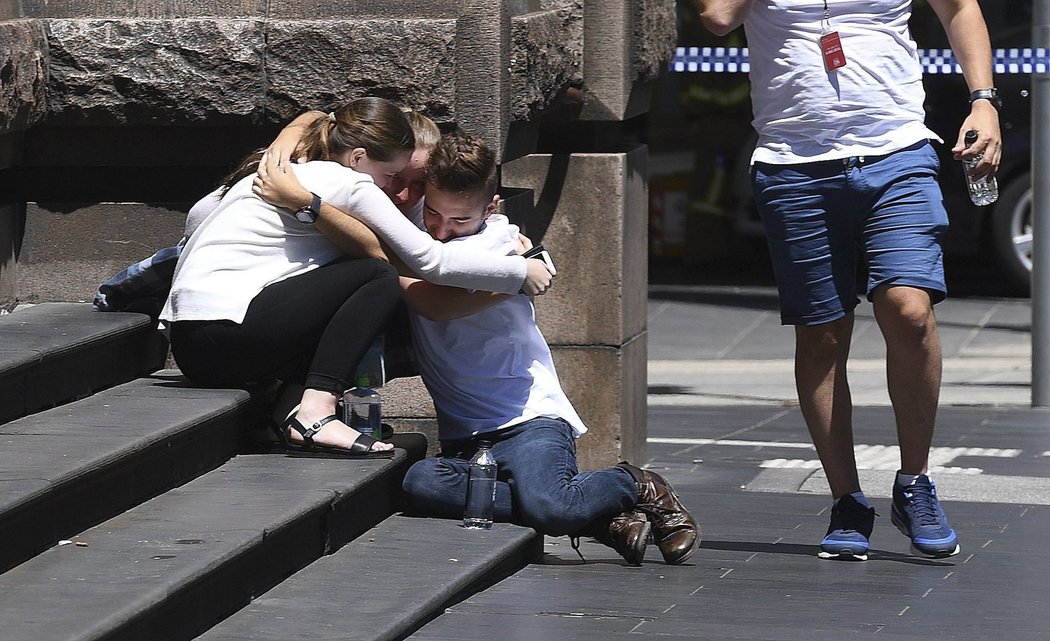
point(970, 137)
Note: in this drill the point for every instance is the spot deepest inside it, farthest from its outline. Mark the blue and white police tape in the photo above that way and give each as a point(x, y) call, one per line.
point(735, 60)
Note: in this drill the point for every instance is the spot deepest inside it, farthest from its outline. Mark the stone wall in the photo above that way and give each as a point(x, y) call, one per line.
point(23, 78)
point(116, 114)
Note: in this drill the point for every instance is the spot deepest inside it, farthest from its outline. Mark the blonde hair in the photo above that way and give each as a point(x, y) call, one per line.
point(424, 129)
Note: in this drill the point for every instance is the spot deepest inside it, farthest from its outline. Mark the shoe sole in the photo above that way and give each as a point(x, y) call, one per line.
point(844, 555)
point(645, 544)
point(940, 554)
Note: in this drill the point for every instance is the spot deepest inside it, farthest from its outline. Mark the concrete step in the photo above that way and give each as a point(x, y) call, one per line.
point(70, 467)
point(174, 566)
point(175, 527)
point(55, 352)
point(385, 584)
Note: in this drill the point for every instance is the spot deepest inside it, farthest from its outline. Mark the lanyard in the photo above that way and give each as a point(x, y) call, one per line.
point(826, 22)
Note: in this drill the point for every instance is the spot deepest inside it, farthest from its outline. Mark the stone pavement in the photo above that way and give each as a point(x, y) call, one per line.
point(725, 428)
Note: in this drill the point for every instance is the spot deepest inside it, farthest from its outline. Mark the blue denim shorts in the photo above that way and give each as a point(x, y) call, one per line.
point(821, 217)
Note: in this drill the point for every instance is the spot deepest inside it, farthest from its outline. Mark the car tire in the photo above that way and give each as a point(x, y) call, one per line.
point(1012, 231)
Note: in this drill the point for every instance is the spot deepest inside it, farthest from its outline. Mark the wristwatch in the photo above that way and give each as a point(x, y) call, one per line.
point(308, 213)
point(991, 95)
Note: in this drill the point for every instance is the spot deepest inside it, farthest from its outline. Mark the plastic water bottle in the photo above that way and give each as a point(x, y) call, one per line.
point(481, 489)
point(983, 191)
point(362, 409)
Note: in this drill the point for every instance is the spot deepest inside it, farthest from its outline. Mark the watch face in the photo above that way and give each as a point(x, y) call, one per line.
point(309, 213)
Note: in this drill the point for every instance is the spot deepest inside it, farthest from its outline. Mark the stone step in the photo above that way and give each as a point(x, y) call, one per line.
point(172, 567)
point(70, 467)
point(52, 353)
point(385, 584)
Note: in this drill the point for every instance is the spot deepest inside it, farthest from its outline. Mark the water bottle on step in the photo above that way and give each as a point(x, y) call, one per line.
point(481, 489)
point(362, 409)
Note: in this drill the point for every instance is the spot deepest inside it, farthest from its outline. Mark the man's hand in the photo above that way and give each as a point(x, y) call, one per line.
point(967, 33)
point(984, 119)
point(524, 243)
point(278, 187)
point(538, 277)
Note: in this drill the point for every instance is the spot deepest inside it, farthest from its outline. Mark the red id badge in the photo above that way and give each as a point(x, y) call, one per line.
point(831, 47)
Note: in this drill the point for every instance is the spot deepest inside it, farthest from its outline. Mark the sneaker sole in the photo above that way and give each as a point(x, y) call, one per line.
point(939, 554)
point(844, 555)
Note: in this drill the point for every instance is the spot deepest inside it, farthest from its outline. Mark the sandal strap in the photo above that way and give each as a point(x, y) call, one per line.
point(309, 432)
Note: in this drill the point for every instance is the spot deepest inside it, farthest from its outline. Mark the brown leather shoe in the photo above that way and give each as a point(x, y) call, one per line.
point(627, 533)
point(675, 531)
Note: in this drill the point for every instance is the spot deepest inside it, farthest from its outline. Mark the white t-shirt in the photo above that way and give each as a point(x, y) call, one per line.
point(803, 113)
point(244, 244)
point(492, 369)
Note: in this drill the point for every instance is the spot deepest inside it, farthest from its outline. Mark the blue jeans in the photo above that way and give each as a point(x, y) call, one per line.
point(538, 483)
point(821, 217)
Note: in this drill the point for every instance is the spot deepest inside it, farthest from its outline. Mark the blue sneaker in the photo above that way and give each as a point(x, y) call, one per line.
point(847, 537)
point(918, 515)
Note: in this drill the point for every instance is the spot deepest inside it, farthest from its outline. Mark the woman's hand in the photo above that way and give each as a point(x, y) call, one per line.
point(283, 149)
point(538, 277)
point(279, 187)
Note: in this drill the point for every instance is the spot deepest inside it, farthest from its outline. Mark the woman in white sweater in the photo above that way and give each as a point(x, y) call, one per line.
point(260, 295)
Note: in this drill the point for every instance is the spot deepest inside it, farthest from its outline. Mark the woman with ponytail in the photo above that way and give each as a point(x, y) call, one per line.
point(259, 295)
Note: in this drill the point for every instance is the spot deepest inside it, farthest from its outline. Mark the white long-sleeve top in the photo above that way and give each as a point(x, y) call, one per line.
point(244, 244)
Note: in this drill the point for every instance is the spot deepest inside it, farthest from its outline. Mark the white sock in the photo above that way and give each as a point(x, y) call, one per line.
point(904, 480)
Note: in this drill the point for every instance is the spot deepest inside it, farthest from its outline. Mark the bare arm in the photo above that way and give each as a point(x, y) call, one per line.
point(968, 35)
point(440, 303)
point(282, 189)
point(722, 16)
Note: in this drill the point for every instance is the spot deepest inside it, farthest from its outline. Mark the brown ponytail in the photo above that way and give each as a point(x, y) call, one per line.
point(375, 124)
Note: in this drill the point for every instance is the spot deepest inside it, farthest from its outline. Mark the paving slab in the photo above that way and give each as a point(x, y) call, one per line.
point(70, 467)
point(384, 584)
point(171, 567)
point(757, 576)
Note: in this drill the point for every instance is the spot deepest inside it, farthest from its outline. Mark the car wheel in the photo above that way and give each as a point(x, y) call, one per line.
point(1012, 230)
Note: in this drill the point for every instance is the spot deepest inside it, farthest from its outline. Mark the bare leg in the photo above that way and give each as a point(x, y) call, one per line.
point(913, 368)
point(823, 392)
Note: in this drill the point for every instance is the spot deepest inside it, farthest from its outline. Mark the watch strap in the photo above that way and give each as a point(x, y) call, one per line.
point(990, 94)
point(309, 213)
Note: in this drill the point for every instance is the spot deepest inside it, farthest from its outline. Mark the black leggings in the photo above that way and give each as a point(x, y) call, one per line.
point(311, 329)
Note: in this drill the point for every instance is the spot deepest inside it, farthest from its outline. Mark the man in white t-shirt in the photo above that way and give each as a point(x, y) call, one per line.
point(844, 171)
point(492, 378)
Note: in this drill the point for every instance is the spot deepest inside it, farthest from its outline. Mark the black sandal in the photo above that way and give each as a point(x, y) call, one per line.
point(361, 447)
